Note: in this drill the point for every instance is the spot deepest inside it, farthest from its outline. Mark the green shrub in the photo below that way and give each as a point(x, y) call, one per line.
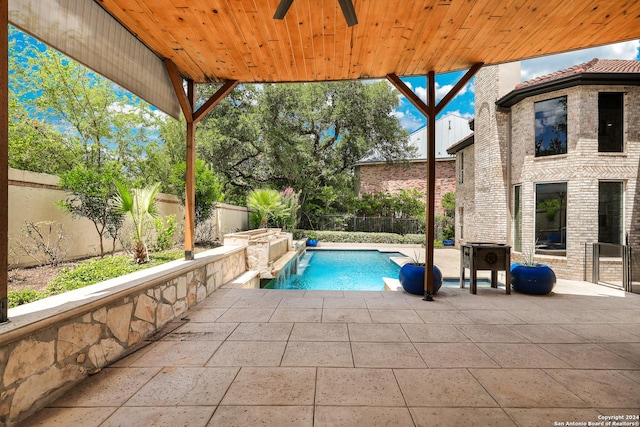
point(360, 237)
point(97, 270)
point(24, 296)
point(164, 233)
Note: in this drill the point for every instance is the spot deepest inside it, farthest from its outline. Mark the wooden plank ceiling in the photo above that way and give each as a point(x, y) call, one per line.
point(216, 40)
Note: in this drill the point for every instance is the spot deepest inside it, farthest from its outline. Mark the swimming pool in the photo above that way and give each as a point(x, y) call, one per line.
point(340, 270)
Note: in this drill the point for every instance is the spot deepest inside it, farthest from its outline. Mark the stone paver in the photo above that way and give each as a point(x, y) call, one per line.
point(326, 358)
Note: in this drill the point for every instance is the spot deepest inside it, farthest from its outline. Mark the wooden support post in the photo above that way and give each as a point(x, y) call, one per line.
point(431, 186)
point(4, 161)
point(431, 110)
point(192, 116)
point(190, 179)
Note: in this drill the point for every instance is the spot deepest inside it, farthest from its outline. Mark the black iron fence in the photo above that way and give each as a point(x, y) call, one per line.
point(368, 224)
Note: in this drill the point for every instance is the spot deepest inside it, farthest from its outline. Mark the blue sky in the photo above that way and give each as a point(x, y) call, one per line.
point(462, 105)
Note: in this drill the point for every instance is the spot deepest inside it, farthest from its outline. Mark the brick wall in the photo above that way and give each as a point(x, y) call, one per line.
point(582, 168)
point(380, 177)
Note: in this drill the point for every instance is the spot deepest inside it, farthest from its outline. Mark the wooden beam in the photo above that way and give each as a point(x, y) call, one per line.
point(454, 90)
point(190, 179)
point(227, 87)
point(409, 94)
point(176, 81)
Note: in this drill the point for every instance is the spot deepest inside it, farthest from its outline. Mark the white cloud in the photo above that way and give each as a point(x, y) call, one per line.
point(441, 91)
point(532, 68)
point(408, 121)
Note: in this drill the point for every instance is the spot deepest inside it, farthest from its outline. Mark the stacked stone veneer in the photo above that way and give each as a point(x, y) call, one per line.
point(381, 177)
point(503, 155)
point(45, 353)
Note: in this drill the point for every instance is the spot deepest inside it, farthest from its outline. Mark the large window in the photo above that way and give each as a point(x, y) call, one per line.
point(610, 212)
point(610, 111)
point(551, 126)
point(551, 218)
point(461, 170)
point(517, 218)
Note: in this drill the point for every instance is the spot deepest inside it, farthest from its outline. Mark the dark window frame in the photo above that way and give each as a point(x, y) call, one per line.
point(610, 122)
point(550, 126)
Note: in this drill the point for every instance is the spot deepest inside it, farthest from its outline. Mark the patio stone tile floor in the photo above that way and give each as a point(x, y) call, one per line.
point(332, 358)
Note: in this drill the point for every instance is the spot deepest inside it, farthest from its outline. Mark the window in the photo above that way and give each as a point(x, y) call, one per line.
point(461, 221)
point(461, 171)
point(551, 218)
point(551, 126)
point(610, 115)
point(517, 218)
point(610, 212)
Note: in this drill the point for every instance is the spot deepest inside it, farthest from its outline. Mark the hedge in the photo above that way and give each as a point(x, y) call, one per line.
point(361, 237)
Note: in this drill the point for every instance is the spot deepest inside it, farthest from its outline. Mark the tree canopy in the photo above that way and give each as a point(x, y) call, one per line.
point(301, 136)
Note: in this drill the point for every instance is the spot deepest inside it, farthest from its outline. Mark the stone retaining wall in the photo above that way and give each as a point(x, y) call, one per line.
point(50, 345)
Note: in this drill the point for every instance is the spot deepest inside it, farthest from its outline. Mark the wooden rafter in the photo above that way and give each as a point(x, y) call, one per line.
point(4, 161)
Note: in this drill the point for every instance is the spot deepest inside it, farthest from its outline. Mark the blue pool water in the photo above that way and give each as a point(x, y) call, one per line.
point(340, 270)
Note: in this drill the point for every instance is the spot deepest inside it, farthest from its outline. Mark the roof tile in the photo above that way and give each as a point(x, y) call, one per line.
point(594, 66)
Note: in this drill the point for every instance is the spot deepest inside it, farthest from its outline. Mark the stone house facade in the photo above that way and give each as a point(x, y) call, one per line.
point(375, 175)
point(554, 163)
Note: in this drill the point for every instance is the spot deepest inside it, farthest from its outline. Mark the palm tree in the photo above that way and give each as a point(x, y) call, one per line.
point(140, 204)
point(267, 203)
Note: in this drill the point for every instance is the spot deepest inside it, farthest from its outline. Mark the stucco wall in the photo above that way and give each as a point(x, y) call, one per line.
point(380, 177)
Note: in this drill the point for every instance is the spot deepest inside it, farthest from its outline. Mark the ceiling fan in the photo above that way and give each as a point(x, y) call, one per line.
point(346, 5)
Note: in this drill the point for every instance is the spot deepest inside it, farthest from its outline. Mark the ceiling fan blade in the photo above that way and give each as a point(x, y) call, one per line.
point(282, 9)
point(349, 12)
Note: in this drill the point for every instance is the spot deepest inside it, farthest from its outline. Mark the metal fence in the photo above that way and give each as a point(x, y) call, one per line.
point(367, 224)
point(612, 265)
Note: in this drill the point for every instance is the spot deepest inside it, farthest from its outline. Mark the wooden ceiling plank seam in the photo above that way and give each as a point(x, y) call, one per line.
point(329, 26)
point(255, 38)
point(202, 39)
point(342, 48)
point(146, 20)
point(222, 56)
point(358, 33)
point(192, 37)
point(296, 23)
point(306, 38)
point(284, 40)
point(446, 32)
point(409, 33)
point(377, 44)
point(371, 37)
point(487, 36)
point(397, 40)
point(316, 21)
point(269, 41)
point(435, 15)
point(242, 44)
point(529, 13)
point(456, 39)
point(511, 33)
point(218, 28)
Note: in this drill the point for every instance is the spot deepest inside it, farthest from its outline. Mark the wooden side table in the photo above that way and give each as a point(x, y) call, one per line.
point(485, 256)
